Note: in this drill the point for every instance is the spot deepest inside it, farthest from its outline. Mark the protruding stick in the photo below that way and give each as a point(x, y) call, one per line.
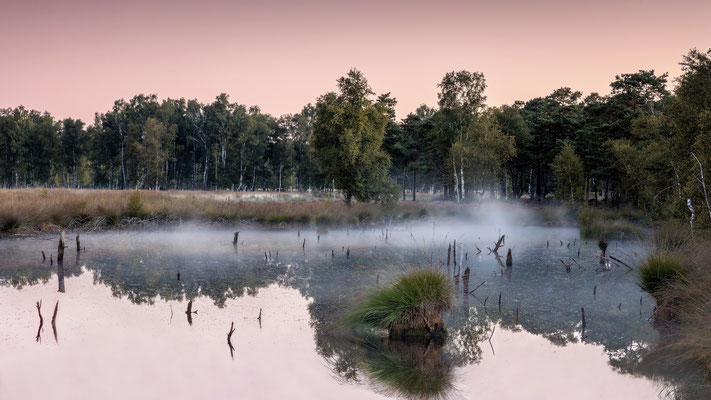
point(54, 320)
point(60, 248)
point(39, 312)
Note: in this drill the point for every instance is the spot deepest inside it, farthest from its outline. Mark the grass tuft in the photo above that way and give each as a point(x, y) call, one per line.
point(411, 305)
point(658, 271)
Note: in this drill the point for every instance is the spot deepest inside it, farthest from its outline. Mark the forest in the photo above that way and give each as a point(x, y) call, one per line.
point(646, 143)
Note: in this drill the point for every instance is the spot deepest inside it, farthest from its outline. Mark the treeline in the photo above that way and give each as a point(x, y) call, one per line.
point(640, 143)
point(144, 143)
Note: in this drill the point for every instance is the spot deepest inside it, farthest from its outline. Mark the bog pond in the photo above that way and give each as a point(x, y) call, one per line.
point(121, 328)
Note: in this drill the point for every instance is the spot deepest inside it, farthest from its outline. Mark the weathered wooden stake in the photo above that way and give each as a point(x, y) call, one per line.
point(348, 253)
point(449, 253)
point(465, 280)
point(78, 244)
point(235, 241)
point(60, 248)
point(509, 259)
point(454, 253)
point(44, 257)
point(582, 311)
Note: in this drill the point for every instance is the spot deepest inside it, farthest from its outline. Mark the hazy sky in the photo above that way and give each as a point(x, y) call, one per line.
point(73, 58)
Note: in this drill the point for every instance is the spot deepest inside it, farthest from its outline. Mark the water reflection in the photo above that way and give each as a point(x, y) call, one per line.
point(539, 297)
point(408, 369)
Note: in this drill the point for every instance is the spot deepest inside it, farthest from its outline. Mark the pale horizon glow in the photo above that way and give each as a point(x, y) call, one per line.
point(76, 57)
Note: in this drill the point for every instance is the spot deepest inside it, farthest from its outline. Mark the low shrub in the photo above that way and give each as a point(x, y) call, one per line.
point(135, 206)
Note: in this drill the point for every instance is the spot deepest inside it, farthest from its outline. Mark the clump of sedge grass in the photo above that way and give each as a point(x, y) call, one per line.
point(410, 306)
point(658, 271)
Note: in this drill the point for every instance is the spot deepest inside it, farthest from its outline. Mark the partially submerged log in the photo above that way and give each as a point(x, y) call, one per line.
point(567, 265)
point(497, 245)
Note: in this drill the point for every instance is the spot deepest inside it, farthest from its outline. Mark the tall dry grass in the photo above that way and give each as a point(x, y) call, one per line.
point(683, 309)
point(28, 210)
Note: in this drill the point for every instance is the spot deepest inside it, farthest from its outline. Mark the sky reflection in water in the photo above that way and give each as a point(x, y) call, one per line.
point(123, 331)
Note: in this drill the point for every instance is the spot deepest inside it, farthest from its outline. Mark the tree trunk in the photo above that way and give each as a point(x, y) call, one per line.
point(414, 182)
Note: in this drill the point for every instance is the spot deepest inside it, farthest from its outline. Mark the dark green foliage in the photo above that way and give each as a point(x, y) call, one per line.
point(347, 137)
point(414, 296)
point(659, 271)
point(639, 145)
point(134, 207)
point(408, 369)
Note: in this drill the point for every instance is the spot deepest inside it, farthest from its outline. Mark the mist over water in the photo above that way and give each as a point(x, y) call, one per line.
point(123, 295)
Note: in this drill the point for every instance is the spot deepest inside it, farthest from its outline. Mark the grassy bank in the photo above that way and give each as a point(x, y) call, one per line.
point(606, 222)
point(47, 210)
point(677, 274)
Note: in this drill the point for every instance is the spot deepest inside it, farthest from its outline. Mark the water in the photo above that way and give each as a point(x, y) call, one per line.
point(122, 330)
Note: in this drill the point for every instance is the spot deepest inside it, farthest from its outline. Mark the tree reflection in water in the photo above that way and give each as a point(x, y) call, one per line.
point(549, 300)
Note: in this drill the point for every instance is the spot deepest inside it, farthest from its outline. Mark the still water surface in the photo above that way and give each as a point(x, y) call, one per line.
point(122, 330)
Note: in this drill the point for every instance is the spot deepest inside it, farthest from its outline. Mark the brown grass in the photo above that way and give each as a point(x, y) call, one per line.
point(33, 210)
point(684, 305)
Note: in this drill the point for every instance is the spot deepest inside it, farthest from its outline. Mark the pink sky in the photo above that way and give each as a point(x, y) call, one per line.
point(73, 58)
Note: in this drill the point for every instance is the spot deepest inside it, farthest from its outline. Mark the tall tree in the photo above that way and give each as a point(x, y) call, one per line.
point(348, 133)
point(568, 174)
